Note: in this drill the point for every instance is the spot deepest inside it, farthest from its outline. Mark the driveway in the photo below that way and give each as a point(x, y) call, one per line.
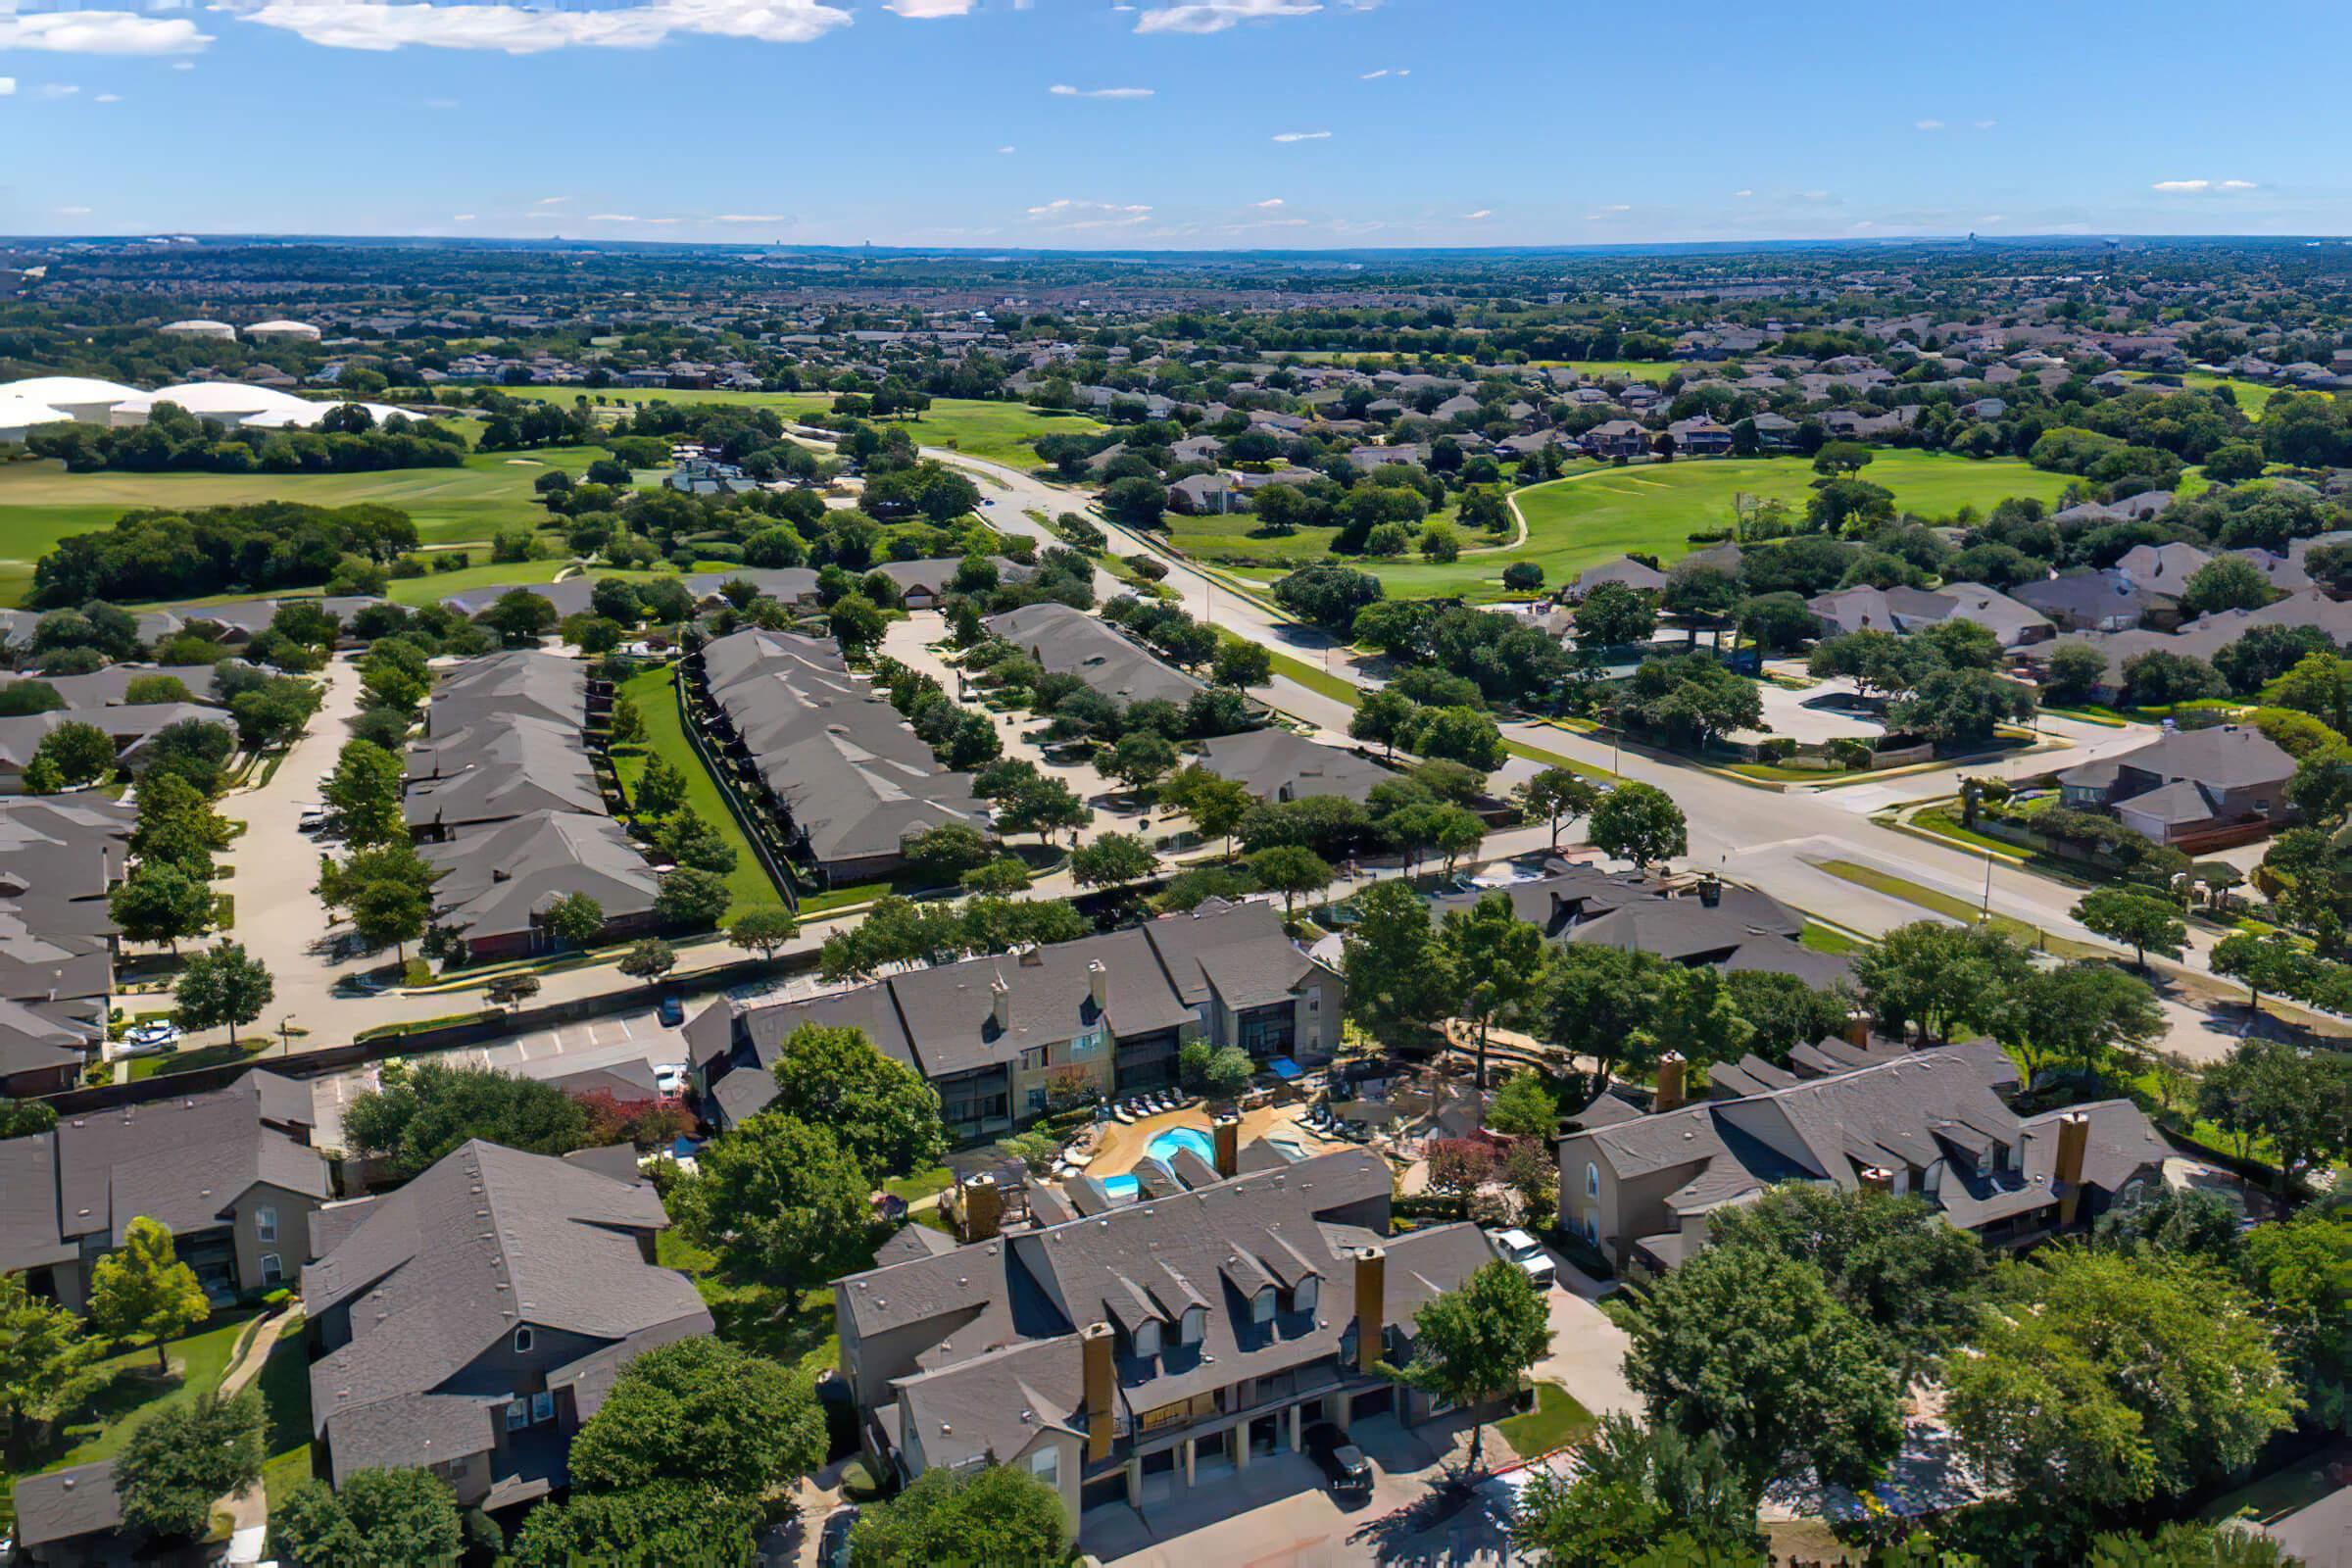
point(1587, 1349)
point(1277, 1513)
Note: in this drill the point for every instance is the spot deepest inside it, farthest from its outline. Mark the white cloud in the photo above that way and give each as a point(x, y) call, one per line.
point(56, 89)
point(753, 217)
point(1069, 213)
point(1982, 124)
point(614, 218)
point(1373, 75)
point(72, 212)
point(1483, 212)
point(462, 218)
point(7, 87)
point(2239, 185)
point(108, 98)
point(923, 10)
point(1926, 124)
point(1269, 202)
point(1007, 149)
point(374, 24)
point(1744, 194)
point(1302, 135)
point(184, 65)
point(551, 201)
point(1062, 90)
point(1215, 16)
point(101, 33)
point(2181, 184)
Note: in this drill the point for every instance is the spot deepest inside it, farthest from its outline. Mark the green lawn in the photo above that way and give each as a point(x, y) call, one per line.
point(1583, 519)
point(1315, 679)
point(997, 431)
point(652, 691)
point(1619, 369)
point(198, 1363)
point(40, 503)
point(1556, 1421)
point(285, 1385)
point(2252, 396)
point(1820, 938)
point(754, 1315)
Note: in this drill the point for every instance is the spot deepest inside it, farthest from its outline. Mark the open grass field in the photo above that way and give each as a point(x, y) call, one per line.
point(40, 503)
point(1583, 519)
point(2252, 396)
point(998, 432)
point(1653, 370)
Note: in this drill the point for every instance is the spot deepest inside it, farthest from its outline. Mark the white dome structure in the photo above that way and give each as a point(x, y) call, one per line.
point(74, 397)
point(302, 331)
point(200, 328)
point(234, 403)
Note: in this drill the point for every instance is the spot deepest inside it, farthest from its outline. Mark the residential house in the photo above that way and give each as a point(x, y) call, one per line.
point(129, 727)
point(1699, 437)
point(229, 1171)
point(1273, 764)
point(471, 1322)
point(71, 1516)
point(1617, 438)
point(496, 882)
point(1634, 575)
point(1903, 610)
point(1936, 1124)
point(849, 779)
point(1719, 925)
point(1203, 494)
point(1152, 1349)
point(60, 857)
point(2095, 601)
point(996, 1035)
point(1065, 641)
point(2188, 785)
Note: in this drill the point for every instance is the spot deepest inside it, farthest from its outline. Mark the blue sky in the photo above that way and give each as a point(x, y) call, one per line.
point(1175, 124)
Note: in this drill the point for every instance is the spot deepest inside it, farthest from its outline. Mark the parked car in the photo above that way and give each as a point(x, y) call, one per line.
point(833, 1545)
point(1345, 1466)
point(153, 1036)
point(671, 1011)
point(670, 1079)
point(1528, 1253)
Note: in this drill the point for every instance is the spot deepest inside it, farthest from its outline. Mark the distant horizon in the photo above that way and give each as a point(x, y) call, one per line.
point(1628, 247)
point(1201, 126)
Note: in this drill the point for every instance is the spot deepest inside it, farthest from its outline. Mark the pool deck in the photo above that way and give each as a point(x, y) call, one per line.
point(1119, 1147)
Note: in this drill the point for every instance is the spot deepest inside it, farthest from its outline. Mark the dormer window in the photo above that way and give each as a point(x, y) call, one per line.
point(522, 1339)
point(1147, 1338)
point(1192, 1327)
point(1591, 1180)
point(1261, 1306)
point(1304, 1297)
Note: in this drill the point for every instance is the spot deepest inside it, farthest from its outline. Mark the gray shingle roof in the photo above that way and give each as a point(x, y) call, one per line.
point(494, 879)
point(79, 1500)
point(444, 1269)
point(1275, 764)
point(183, 1161)
point(1070, 641)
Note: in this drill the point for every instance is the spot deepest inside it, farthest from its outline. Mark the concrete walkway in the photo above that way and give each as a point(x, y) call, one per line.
point(249, 1510)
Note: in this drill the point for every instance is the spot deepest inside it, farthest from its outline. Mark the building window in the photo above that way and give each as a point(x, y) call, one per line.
point(1037, 1099)
point(1147, 1338)
point(543, 1408)
point(272, 1269)
point(1261, 1306)
point(1033, 1059)
point(1193, 1326)
point(1592, 1179)
point(1046, 1465)
point(264, 1223)
point(1303, 1297)
point(518, 1416)
point(522, 1339)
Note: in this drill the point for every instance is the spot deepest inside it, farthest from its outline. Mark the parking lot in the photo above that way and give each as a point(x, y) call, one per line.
point(636, 1036)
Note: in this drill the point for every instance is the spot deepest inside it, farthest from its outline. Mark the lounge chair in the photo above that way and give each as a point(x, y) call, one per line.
point(1125, 1115)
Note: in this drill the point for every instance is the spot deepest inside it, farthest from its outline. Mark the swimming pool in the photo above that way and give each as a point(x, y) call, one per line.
point(1164, 1146)
point(1122, 1188)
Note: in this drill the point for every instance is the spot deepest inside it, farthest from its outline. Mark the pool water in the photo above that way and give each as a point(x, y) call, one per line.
point(1122, 1187)
point(1164, 1146)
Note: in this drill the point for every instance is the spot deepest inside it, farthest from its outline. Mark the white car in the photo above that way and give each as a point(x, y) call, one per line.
point(159, 1035)
point(1528, 1253)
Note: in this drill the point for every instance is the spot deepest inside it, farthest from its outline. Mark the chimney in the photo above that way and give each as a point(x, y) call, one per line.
point(1670, 1081)
point(1878, 1178)
point(1226, 1133)
point(1371, 1306)
point(2073, 1142)
point(1093, 1347)
point(1710, 891)
point(983, 1209)
point(1098, 983)
point(1857, 1029)
point(999, 1002)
